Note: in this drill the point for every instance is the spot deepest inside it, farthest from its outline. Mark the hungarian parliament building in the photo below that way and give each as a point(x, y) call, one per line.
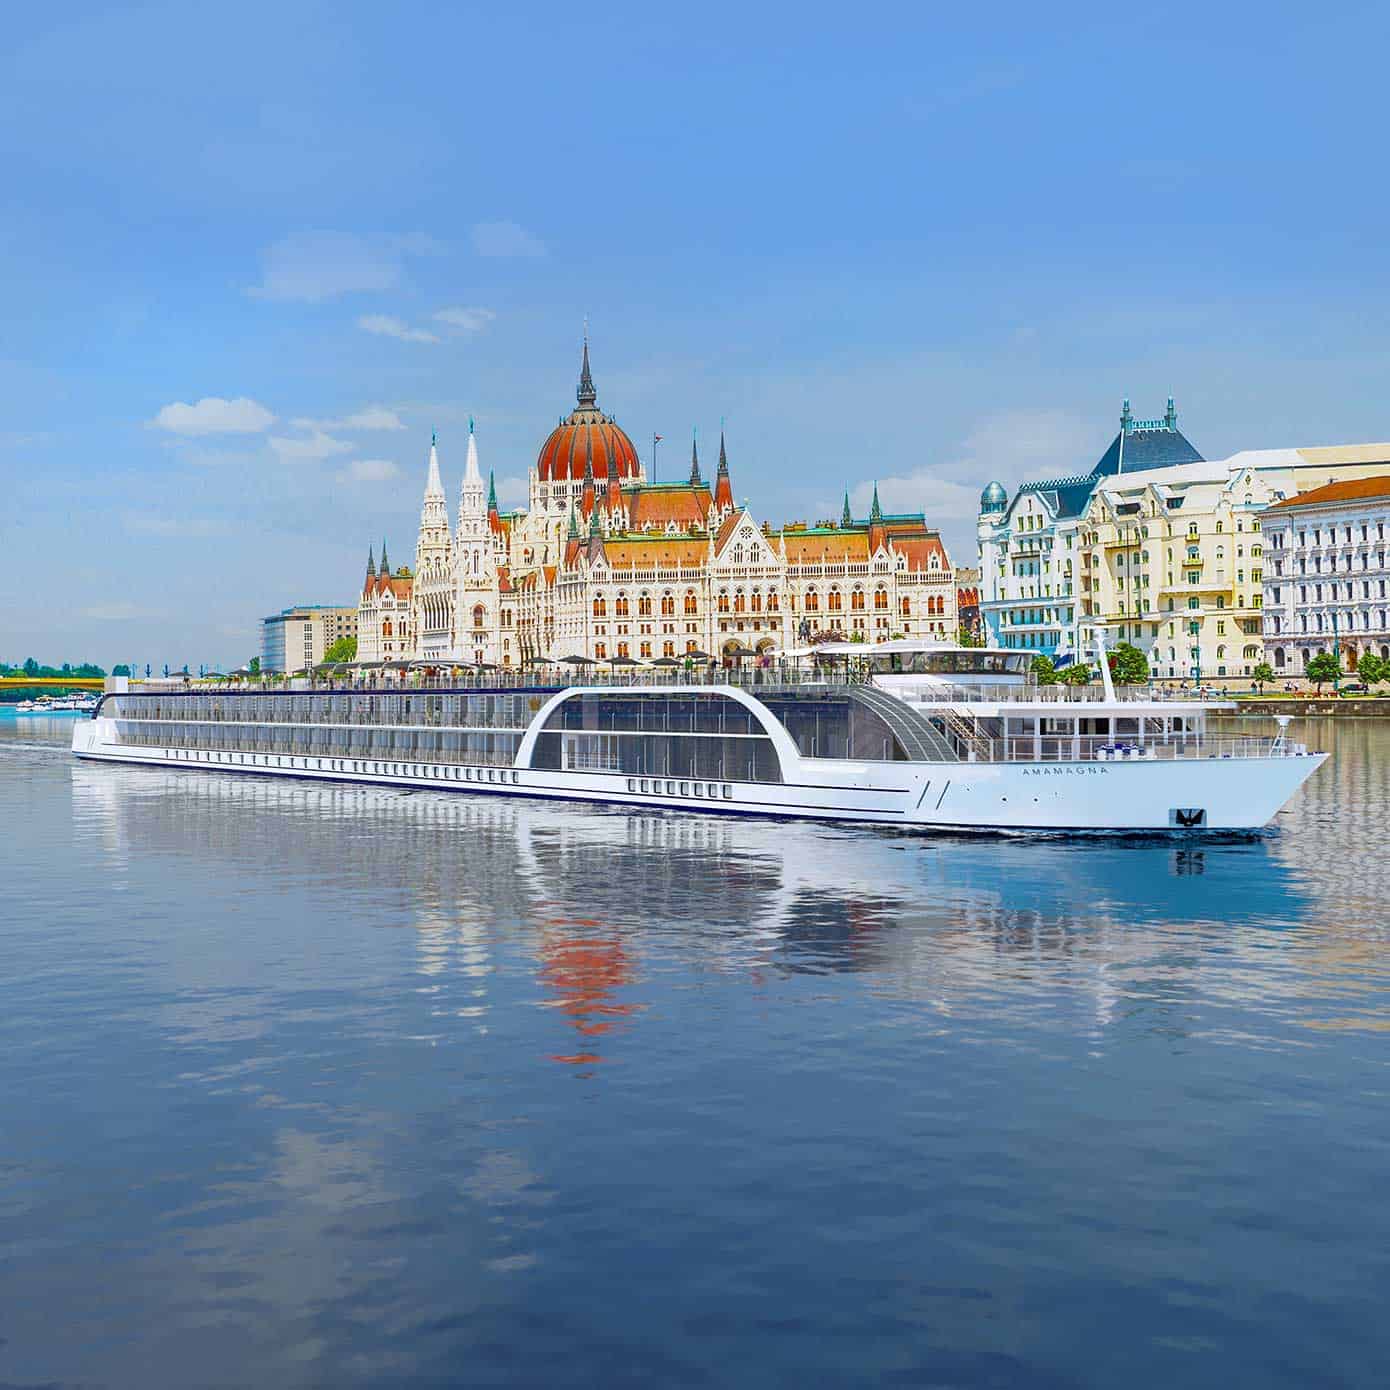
point(605, 564)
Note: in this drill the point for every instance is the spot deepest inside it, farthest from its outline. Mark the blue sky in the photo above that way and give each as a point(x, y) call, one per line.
point(926, 244)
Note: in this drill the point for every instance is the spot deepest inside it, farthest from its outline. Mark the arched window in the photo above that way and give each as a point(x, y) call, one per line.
point(723, 604)
point(856, 600)
point(600, 607)
point(479, 612)
point(906, 607)
point(740, 603)
point(691, 607)
point(772, 602)
point(880, 600)
point(620, 606)
point(1251, 652)
point(386, 628)
point(812, 601)
point(644, 606)
point(755, 601)
point(833, 601)
point(668, 607)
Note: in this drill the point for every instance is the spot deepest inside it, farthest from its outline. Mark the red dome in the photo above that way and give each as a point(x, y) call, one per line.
point(563, 455)
point(588, 436)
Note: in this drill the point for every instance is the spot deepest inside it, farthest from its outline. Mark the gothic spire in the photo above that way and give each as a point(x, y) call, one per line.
point(846, 516)
point(371, 562)
point(723, 488)
point(875, 512)
point(385, 563)
point(574, 524)
point(434, 489)
point(491, 490)
point(586, 393)
point(694, 461)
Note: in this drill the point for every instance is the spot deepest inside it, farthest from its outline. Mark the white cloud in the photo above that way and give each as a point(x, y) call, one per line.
point(467, 320)
point(317, 445)
point(369, 471)
point(119, 612)
point(505, 239)
point(1012, 446)
point(921, 491)
point(213, 415)
point(372, 417)
point(314, 266)
point(512, 492)
point(389, 327)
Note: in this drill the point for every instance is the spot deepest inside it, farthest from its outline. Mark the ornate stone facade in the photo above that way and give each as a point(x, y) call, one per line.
point(606, 565)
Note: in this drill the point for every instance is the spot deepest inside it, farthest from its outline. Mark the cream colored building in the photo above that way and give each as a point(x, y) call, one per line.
point(1173, 560)
point(296, 639)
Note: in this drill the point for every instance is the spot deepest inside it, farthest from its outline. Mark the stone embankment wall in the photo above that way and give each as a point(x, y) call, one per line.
point(1313, 707)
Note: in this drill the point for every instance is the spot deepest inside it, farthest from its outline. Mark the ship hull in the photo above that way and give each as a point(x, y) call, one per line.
point(1183, 795)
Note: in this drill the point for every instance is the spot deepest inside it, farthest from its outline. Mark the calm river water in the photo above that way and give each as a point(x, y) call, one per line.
point(307, 1086)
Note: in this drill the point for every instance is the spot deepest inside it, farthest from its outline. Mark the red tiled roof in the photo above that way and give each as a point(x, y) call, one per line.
point(1355, 490)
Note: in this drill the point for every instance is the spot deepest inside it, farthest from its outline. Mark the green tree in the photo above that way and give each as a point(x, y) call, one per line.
point(121, 670)
point(1263, 674)
point(1370, 668)
point(966, 638)
point(1079, 673)
point(1322, 668)
point(344, 649)
point(1128, 665)
point(1044, 672)
point(254, 666)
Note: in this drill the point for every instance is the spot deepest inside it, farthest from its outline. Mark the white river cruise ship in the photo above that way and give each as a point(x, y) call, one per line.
point(911, 734)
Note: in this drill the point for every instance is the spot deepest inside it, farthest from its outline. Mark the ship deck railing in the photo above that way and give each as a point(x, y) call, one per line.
point(544, 678)
point(1085, 748)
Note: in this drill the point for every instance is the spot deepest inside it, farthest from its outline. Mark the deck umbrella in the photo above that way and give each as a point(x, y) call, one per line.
point(579, 660)
point(738, 649)
point(697, 655)
point(622, 661)
point(667, 661)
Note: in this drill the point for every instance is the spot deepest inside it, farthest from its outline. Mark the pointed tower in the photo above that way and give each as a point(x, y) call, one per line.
point(371, 564)
point(385, 563)
point(846, 516)
point(613, 502)
point(586, 394)
point(695, 479)
point(595, 537)
point(878, 534)
point(723, 488)
point(573, 543)
point(432, 544)
point(586, 498)
point(475, 571)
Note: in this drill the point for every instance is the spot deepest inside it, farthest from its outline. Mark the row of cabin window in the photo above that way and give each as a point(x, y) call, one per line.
point(709, 759)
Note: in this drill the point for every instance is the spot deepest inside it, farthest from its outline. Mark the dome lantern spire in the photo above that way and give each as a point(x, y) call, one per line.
point(846, 516)
point(586, 393)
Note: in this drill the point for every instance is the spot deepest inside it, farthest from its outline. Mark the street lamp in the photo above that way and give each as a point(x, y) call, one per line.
point(1336, 657)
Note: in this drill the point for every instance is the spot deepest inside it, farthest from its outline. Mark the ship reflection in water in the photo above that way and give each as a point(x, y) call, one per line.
point(417, 1088)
